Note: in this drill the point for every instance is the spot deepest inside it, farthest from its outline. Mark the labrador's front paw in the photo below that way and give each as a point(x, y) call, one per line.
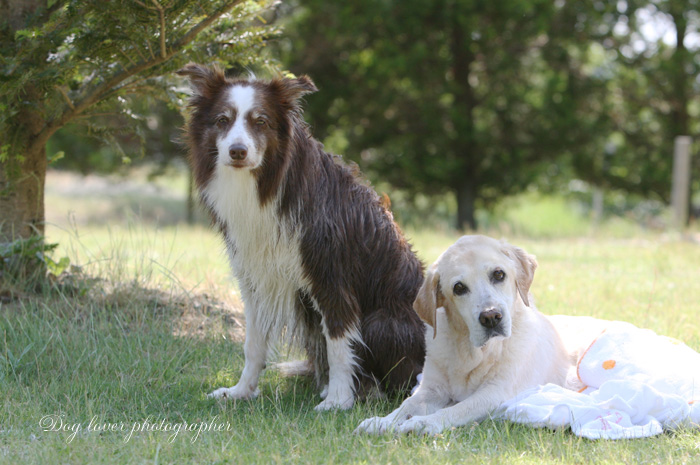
point(374, 425)
point(429, 425)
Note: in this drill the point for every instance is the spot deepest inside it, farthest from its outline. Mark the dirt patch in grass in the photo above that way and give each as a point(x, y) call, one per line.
point(204, 316)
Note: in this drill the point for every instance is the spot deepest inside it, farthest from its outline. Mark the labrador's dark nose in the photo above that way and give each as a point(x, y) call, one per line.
point(238, 152)
point(490, 318)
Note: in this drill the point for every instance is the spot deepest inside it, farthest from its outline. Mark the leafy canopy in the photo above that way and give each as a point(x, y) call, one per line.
point(79, 60)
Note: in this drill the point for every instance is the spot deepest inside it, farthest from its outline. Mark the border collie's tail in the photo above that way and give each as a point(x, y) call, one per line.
point(295, 368)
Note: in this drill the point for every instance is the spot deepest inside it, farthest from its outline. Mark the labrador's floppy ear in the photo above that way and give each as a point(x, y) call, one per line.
point(526, 265)
point(429, 298)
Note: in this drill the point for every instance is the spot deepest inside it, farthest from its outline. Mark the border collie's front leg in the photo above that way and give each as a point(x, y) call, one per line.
point(255, 350)
point(340, 392)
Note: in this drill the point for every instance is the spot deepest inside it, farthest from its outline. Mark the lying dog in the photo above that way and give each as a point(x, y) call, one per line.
point(486, 341)
point(316, 252)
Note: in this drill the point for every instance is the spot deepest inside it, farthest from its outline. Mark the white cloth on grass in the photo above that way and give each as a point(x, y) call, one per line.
point(638, 384)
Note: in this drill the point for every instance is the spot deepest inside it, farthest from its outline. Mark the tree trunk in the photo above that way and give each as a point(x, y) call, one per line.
point(466, 198)
point(464, 146)
point(680, 77)
point(680, 117)
point(22, 196)
point(22, 177)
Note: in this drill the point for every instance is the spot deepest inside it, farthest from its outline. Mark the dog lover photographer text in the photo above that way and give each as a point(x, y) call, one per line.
point(60, 424)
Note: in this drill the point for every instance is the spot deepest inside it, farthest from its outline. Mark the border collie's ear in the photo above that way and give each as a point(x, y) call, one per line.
point(205, 81)
point(429, 298)
point(526, 266)
point(292, 89)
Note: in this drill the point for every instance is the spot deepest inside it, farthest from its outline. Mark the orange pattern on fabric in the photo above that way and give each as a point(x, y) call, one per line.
point(609, 364)
point(578, 364)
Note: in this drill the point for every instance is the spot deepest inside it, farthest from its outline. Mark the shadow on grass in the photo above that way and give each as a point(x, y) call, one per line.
point(93, 339)
point(88, 341)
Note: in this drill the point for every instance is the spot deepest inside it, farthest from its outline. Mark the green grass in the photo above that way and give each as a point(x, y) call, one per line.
point(161, 328)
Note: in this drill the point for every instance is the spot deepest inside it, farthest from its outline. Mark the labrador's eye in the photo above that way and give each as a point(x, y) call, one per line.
point(459, 288)
point(498, 275)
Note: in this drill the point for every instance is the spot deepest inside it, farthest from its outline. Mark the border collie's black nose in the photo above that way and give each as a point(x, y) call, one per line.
point(238, 152)
point(490, 319)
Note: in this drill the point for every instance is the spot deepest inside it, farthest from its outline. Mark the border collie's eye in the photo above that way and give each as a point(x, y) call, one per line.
point(222, 120)
point(459, 288)
point(498, 275)
point(260, 122)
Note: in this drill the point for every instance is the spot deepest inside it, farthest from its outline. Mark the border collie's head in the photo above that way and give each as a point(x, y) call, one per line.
point(237, 124)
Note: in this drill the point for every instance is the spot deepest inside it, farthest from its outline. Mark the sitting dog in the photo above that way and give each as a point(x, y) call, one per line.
point(315, 250)
point(485, 342)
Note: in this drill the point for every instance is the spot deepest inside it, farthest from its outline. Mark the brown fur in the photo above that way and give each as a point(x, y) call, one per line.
point(362, 271)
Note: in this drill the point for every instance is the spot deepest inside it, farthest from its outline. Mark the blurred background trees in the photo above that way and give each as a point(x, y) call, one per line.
point(457, 103)
point(482, 100)
point(435, 97)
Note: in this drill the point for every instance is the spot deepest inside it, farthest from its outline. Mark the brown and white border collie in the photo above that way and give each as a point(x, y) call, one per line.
point(315, 252)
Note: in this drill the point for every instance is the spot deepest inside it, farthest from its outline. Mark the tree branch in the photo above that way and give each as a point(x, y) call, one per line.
point(126, 56)
point(65, 96)
point(95, 115)
point(161, 13)
point(150, 50)
point(97, 93)
point(192, 33)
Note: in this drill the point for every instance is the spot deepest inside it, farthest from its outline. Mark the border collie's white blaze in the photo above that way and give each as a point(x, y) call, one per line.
point(236, 147)
point(298, 245)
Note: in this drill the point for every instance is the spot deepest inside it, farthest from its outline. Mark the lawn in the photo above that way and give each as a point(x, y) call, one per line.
point(115, 367)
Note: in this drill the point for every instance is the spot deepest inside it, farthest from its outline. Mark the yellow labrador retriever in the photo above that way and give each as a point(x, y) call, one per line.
point(486, 341)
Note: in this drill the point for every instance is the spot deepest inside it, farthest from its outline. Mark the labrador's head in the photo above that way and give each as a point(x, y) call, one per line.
point(480, 279)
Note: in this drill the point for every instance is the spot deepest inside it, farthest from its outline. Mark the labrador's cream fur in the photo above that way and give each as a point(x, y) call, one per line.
point(470, 369)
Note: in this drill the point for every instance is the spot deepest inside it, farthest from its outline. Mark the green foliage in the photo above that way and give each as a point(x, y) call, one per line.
point(449, 96)
point(630, 93)
point(4, 152)
point(92, 62)
point(29, 259)
point(433, 97)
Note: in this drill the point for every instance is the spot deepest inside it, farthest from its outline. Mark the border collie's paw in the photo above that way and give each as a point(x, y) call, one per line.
point(235, 392)
point(334, 404)
point(374, 425)
point(428, 425)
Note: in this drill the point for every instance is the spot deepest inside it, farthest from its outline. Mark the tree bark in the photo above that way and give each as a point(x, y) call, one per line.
point(23, 176)
point(22, 196)
point(466, 198)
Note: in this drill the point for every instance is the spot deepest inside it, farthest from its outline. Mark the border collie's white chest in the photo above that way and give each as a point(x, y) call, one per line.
point(265, 256)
